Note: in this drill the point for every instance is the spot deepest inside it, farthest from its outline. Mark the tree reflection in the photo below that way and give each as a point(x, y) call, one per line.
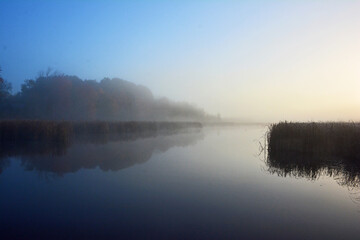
point(111, 153)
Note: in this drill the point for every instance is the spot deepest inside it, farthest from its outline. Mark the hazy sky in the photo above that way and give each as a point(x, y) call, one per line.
point(256, 60)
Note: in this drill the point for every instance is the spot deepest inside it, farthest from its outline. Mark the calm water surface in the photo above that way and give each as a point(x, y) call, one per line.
point(205, 184)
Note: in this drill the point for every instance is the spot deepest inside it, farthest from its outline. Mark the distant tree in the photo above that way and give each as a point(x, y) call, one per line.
point(48, 73)
point(56, 96)
point(5, 88)
point(28, 84)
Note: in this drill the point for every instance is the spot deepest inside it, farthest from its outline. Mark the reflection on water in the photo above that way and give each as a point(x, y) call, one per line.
point(205, 184)
point(284, 161)
point(292, 165)
point(114, 153)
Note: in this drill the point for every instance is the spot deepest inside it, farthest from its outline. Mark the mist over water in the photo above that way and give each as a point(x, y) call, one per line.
point(211, 183)
point(179, 119)
point(57, 96)
point(247, 60)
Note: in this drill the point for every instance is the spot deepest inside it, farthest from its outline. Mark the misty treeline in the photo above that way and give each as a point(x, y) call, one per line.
point(5, 88)
point(54, 96)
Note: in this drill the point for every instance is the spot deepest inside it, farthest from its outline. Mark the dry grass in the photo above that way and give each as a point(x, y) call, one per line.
point(26, 130)
point(328, 139)
point(313, 149)
point(62, 132)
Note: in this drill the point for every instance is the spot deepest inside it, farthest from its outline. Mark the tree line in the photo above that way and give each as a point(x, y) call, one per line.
point(54, 96)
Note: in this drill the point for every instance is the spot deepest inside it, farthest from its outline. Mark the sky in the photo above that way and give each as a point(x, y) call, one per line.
point(246, 60)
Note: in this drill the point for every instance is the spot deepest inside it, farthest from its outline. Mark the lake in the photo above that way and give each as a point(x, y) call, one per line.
point(210, 183)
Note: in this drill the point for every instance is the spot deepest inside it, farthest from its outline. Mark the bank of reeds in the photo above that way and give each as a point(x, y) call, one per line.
point(314, 149)
point(62, 132)
point(324, 139)
point(23, 131)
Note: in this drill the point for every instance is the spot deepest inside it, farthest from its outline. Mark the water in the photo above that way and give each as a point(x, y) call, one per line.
point(207, 184)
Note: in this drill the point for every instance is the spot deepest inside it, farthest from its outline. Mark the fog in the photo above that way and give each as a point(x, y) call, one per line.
point(246, 60)
point(54, 96)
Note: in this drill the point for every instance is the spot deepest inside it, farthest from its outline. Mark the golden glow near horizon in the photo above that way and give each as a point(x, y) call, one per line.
point(301, 65)
point(250, 60)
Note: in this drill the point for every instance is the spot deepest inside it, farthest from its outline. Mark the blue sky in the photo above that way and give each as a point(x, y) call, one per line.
point(94, 39)
point(259, 60)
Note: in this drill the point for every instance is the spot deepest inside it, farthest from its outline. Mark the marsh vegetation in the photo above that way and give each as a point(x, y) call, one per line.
point(311, 150)
point(62, 132)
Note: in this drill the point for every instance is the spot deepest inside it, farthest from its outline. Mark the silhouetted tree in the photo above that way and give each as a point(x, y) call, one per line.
point(5, 88)
point(55, 96)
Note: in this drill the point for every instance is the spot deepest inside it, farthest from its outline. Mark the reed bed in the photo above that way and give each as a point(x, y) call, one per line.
point(327, 139)
point(311, 150)
point(25, 130)
point(63, 132)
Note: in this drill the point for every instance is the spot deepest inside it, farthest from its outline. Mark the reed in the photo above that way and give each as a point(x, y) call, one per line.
point(313, 149)
point(325, 139)
point(63, 132)
point(26, 130)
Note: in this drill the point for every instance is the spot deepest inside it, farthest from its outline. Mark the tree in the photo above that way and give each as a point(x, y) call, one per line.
point(5, 88)
point(28, 84)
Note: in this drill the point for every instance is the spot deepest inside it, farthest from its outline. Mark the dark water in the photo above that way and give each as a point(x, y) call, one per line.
point(207, 184)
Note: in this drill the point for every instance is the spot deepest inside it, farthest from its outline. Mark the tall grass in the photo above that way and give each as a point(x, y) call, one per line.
point(63, 132)
point(314, 149)
point(328, 139)
point(26, 130)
